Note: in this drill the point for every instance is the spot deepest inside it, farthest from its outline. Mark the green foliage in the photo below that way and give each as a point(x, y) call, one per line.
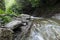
point(6, 19)
point(9, 11)
point(34, 2)
point(5, 15)
point(1, 11)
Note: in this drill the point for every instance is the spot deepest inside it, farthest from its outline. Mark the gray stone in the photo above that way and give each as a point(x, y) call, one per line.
point(13, 24)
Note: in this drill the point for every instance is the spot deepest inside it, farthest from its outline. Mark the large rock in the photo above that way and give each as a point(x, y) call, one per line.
point(6, 34)
point(13, 24)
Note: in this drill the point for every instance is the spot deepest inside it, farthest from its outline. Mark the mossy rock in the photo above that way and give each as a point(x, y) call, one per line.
point(6, 34)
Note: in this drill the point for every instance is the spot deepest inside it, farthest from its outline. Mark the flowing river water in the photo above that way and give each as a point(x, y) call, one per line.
point(44, 29)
